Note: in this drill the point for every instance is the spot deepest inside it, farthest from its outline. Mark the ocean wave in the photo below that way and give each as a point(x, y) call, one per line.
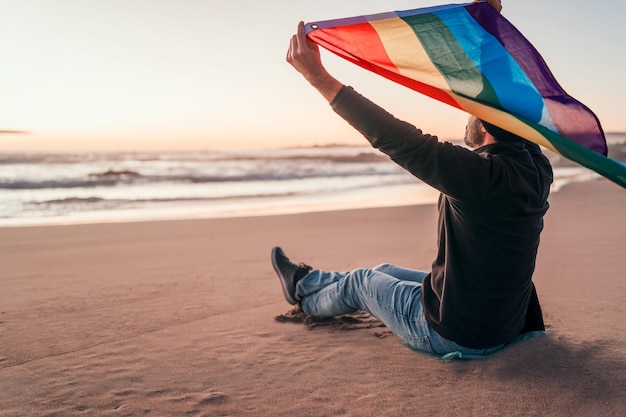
point(71, 200)
point(84, 201)
point(344, 154)
point(49, 184)
point(113, 178)
point(283, 176)
point(115, 174)
point(361, 157)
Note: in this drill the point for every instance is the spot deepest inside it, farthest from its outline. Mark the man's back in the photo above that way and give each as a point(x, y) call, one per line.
point(481, 286)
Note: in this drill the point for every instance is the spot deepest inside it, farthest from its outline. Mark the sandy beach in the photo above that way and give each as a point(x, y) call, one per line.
point(178, 318)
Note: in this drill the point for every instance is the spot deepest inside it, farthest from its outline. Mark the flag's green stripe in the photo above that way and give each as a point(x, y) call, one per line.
point(463, 77)
point(607, 167)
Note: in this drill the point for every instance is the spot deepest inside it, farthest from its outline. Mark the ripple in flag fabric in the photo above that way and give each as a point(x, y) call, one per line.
point(471, 57)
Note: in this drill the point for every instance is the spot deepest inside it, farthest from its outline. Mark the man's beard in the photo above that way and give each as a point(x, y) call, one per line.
point(473, 136)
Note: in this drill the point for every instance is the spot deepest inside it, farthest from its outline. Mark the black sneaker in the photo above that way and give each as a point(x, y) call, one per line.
point(288, 273)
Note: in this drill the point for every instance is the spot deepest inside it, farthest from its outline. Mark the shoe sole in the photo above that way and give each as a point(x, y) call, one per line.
point(283, 283)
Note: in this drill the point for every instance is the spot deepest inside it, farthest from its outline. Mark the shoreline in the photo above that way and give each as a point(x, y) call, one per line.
point(139, 186)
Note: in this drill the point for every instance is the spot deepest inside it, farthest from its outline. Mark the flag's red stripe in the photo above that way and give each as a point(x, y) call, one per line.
point(360, 44)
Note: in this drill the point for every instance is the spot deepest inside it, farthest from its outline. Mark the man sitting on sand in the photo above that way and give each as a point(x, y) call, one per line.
point(479, 295)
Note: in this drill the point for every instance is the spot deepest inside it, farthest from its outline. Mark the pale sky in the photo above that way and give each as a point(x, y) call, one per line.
point(206, 74)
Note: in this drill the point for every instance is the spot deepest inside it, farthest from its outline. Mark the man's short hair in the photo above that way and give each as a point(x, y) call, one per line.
point(500, 134)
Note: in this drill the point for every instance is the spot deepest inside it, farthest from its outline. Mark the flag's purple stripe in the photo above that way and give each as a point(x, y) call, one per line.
point(374, 17)
point(518, 46)
point(423, 10)
point(574, 120)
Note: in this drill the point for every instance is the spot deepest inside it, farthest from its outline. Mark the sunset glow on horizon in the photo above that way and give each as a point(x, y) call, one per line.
point(160, 74)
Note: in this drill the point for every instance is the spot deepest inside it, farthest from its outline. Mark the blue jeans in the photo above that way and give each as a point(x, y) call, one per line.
point(390, 293)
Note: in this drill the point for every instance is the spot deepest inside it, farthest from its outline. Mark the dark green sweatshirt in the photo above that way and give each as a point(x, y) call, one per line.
point(480, 292)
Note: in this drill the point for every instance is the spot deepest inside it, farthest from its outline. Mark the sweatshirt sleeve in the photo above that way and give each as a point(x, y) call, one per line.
point(444, 166)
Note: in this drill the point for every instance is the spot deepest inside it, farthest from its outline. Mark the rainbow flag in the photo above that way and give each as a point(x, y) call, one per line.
point(470, 57)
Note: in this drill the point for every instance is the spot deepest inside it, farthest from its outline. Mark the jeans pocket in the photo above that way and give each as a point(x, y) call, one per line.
point(419, 343)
